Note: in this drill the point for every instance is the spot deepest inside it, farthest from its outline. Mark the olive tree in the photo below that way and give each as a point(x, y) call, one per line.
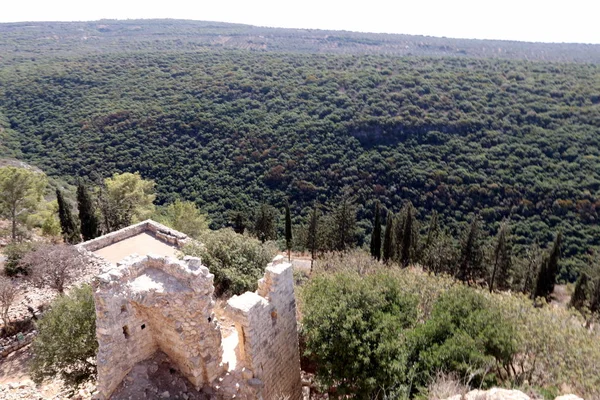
point(66, 342)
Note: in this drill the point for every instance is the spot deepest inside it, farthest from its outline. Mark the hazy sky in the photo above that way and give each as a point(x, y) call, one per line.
point(529, 20)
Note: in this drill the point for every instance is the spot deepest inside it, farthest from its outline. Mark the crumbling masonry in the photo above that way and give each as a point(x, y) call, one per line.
point(148, 303)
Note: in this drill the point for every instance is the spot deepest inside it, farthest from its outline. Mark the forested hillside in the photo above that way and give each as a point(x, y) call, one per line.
point(26, 40)
point(230, 129)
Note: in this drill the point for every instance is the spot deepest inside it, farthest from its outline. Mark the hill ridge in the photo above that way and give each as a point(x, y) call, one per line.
point(108, 35)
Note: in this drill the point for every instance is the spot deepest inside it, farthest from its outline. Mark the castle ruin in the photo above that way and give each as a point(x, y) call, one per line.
point(157, 303)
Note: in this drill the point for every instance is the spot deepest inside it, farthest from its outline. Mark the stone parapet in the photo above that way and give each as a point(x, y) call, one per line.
point(160, 231)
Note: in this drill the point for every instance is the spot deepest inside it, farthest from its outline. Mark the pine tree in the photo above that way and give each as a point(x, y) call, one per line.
point(388, 239)
point(376, 235)
point(471, 261)
point(580, 294)
point(67, 224)
point(549, 270)
point(502, 260)
point(239, 224)
point(312, 237)
point(288, 230)
point(408, 237)
point(264, 227)
point(90, 226)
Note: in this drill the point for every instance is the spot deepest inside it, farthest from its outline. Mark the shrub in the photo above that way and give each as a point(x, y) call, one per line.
point(237, 261)
point(444, 386)
point(66, 342)
point(426, 288)
point(465, 334)
point(554, 346)
point(354, 328)
point(8, 294)
point(473, 335)
point(54, 266)
point(14, 252)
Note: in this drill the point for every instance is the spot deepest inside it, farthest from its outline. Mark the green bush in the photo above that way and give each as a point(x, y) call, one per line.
point(237, 261)
point(354, 329)
point(66, 342)
point(555, 346)
point(466, 334)
point(14, 252)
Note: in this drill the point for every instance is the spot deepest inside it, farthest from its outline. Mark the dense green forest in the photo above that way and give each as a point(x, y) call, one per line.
point(230, 129)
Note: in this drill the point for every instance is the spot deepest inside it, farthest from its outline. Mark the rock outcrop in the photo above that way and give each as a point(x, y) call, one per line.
point(502, 394)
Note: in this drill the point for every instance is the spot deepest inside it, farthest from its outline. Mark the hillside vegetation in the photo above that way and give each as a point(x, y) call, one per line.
point(380, 332)
point(230, 129)
point(26, 40)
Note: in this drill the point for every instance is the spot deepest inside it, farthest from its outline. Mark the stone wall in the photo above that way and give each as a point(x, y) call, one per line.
point(151, 303)
point(160, 231)
point(147, 304)
point(267, 330)
point(13, 344)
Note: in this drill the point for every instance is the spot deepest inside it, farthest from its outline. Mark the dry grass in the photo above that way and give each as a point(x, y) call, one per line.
point(445, 386)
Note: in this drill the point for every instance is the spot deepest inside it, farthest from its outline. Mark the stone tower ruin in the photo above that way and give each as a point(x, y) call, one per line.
point(151, 303)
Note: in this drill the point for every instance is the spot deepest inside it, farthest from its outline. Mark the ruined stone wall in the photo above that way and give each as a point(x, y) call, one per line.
point(268, 337)
point(146, 304)
point(160, 231)
point(122, 340)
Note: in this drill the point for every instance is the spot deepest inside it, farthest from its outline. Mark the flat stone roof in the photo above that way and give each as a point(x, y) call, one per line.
point(157, 280)
point(142, 244)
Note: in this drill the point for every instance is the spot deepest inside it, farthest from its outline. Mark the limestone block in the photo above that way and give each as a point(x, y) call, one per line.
point(495, 394)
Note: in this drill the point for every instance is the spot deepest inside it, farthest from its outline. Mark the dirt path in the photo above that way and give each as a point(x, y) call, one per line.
point(15, 367)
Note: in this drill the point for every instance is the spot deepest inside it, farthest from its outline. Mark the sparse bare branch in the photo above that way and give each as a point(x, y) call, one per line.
point(54, 266)
point(8, 293)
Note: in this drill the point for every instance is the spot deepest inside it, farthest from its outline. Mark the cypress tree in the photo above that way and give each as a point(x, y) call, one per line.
point(580, 294)
point(532, 266)
point(288, 230)
point(67, 224)
point(502, 260)
point(388, 239)
point(471, 261)
point(264, 227)
point(399, 234)
point(344, 225)
point(239, 226)
point(376, 235)
point(312, 237)
point(432, 231)
point(90, 226)
point(595, 300)
point(547, 276)
point(408, 238)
